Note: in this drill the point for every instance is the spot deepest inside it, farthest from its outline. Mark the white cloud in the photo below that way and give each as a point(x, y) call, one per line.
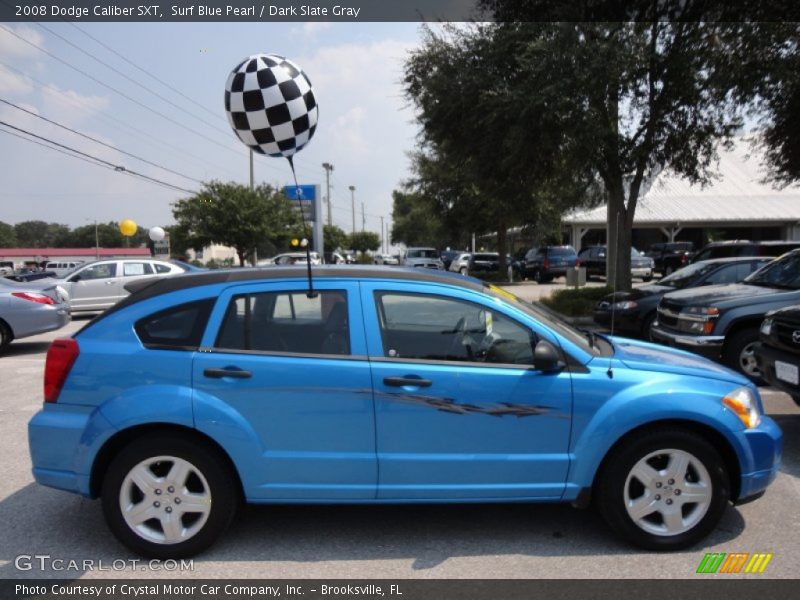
point(310, 29)
point(13, 47)
point(70, 107)
point(12, 83)
point(348, 130)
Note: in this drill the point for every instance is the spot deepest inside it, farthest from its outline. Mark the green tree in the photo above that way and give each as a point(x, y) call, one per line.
point(234, 215)
point(364, 241)
point(662, 90)
point(39, 234)
point(415, 219)
point(334, 238)
point(8, 238)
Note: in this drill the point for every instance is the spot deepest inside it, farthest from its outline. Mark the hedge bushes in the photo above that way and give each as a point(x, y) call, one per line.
point(576, 302)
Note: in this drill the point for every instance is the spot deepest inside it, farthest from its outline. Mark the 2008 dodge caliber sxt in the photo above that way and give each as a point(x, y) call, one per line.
point(384, 386)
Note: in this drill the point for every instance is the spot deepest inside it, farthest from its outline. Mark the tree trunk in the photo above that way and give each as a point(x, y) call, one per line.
point(242, 254)
point(618, 241)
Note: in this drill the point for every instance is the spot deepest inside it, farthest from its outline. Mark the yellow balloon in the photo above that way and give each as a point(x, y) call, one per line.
point(127, 228)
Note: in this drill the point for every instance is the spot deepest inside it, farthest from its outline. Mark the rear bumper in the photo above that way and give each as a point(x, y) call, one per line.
point(63, 441)
point(709, 346)
point(644, 272)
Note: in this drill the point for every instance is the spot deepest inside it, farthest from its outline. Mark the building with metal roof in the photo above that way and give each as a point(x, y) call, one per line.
point(737, 204)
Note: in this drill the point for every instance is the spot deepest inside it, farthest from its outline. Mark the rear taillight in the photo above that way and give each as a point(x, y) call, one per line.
point(684, 258)
point(578, 262)
point(60, 357)
point(34, 297)
point(546, 263)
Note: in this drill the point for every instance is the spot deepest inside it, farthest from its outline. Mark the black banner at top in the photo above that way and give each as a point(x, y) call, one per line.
point(399, 10)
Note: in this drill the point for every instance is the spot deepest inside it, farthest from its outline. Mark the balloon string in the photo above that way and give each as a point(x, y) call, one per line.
point(298, 195)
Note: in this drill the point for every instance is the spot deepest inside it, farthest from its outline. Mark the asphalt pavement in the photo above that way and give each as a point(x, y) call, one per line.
point(388, 542)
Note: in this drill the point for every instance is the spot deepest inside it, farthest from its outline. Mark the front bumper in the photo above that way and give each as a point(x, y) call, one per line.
point(766, 357)
point(764, 446)
point(709, 346)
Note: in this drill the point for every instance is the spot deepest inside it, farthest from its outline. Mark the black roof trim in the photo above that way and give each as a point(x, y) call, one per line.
point(144, 289)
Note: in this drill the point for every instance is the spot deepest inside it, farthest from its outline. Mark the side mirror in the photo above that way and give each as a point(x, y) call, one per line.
point(74, 278)
point(546, 358)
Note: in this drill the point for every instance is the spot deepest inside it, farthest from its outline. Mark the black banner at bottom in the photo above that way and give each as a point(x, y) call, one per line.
point(401, 589)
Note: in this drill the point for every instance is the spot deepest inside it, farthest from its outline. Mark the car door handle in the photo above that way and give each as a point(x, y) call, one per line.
point(404, 381)
point(220, 373)
point(112, 282)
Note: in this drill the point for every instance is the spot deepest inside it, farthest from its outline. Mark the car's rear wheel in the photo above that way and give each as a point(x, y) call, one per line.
point(663, 489)
point(5, 336)
point(463, 271)
point(168, 496)
point(668, 270)
point(739, 353)
point(647, 325)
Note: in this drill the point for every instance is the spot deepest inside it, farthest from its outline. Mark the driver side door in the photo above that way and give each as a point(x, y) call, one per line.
point(460, 412)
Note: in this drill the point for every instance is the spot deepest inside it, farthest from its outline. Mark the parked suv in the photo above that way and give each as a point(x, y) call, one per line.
point(544, 263)
point(635, 311)
point(745, 248)
point(61, 268)
point(422, 257)
point(99, 285)
point(778, 354)
point(722, 321)
point(668, 257)
point(384, 385)
point(594, 259)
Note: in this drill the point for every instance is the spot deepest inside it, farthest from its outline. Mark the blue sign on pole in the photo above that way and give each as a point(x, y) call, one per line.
point(301, 192)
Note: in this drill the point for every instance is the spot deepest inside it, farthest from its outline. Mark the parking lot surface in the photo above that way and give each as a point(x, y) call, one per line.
point(442, 541)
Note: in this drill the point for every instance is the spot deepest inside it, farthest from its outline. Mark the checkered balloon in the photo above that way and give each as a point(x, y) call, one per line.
point(271, 105)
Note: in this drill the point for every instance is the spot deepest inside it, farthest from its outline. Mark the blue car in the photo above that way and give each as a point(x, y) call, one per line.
point(203, 390)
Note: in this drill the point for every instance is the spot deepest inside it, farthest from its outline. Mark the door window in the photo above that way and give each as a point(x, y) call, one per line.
point(130, 269)
point(287, 322)
point(415, 326)
point(101, 271)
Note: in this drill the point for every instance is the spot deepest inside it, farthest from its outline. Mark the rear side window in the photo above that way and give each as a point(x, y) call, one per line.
point(101, 271)
point(137, 268)
point(161, 268)
point(562, 251)
point(177, 328)
point(287, 322)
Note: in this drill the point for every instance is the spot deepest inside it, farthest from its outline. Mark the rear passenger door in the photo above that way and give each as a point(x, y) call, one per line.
point(295, 370)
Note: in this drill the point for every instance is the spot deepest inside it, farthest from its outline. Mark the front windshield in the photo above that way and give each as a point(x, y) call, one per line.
point(423, 253)
point(783, 273)
point(553, 321)
point(683, 277)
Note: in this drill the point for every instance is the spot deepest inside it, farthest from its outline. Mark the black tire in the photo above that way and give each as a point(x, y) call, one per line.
point(668, 270)
point(222, 484)
point(736, 353)
point(6, 336)
point(647, 324)
point(647, 279)
point(614, 477)
point(796, 398)
point(547, 279)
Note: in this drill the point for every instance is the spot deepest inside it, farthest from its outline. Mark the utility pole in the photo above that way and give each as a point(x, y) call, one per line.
point(252, 187)
point(363, 218)
point(328, 168)
point(383, 239)
point(96, 242)
point(352, 189)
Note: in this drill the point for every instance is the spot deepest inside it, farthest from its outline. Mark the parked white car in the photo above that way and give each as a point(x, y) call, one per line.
point(291, 258)
point(62, 267)
point(460, 264)
point(101, 284)
point(386, 259)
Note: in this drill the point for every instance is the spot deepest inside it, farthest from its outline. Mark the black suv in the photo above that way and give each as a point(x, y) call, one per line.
point(722, 321)
point(670, 256)
point(744, 248)
point(545, 263)
point(778, 354)
point(594, 259)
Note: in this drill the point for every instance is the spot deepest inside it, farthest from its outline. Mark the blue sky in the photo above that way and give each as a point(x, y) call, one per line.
point(365, 127)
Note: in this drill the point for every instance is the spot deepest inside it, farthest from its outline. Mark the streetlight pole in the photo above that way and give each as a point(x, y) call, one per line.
point(252, 187)
point(328, 168)
point(363, 218)
point(383, 239)
point(96, 242)
point(352, 189)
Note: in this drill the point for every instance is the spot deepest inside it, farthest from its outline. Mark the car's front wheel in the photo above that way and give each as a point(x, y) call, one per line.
point(663, 489)
point(168, 496)
point(739, 353)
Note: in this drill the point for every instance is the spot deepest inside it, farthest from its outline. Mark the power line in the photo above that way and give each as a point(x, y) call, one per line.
point(16, 135)
point(122, 125)
point(117, 168)
point(116, 91)
point(88, 137)
point(134, 81)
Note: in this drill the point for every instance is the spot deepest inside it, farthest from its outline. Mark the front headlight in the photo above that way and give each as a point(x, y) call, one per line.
point(766, 327)
point(743, 403)
point(626, 305)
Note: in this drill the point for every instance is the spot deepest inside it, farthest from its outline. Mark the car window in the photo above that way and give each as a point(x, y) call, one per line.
point(101, 271)
point(782, 273)
point(726, 274)
point(562, 251)
point(131, 269)
point(162, 268)
point(287, 322)
point(178, 327)
point(428, 327)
